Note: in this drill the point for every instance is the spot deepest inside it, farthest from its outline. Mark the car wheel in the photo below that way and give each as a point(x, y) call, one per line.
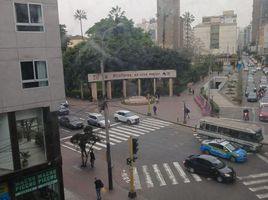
point(191, 170)
point(219, 179)
point(232, 159)
point(99, 125)
point(116, 119)
point(206, 152)
point(128, 122)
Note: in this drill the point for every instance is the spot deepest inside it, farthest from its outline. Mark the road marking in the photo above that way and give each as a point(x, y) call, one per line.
point(159, 176)
point(137, 182)
point(170, 174)
point(157, 121)
point(150, 124)
point(148, 178)
point(181, 172)
point(125, 177)
point(262, 158)
point(146, 127)
point(261, 175)
point(262, 196)
point(266, 153)
point(116, 133)
point(259, 188)
point(135, 129)
point(114, 136)
point(77, 147)
point(70, 148)
point(125, 132)
point(62, 129)
point(256, 182)
point(65, 138)
point(196, 177)
point(111, 139)
point(102, 145)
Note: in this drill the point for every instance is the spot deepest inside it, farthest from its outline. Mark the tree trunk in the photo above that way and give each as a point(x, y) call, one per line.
point(82, 89)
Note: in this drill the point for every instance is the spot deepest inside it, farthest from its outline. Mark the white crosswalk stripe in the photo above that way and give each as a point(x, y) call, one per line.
point(196, 177)
point(170, 174)
point(121, 132)
point(148, 178)
point(181, 172)
point(257, 183)
point(159, 176)
point(136, 179)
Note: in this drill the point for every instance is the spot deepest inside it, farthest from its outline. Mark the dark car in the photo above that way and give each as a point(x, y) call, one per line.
point(210, 166)
point(63, 111)
point(252, 97)
point(71, 122)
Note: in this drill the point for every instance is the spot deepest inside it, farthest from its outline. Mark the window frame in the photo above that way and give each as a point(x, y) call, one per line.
point(34, 71)
point(29, 17)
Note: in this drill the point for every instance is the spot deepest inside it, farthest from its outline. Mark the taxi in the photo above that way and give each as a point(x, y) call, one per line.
point(224, 149)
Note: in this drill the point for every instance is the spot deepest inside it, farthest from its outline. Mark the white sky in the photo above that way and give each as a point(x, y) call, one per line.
point(139, 9)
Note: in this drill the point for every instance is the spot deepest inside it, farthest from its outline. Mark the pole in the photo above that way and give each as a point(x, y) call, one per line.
point(108, 151)
point(132, 194)
point(212, 105)
point(149, 107)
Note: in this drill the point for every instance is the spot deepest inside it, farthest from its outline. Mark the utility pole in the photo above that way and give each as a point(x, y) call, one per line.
point(108, 149)
point(132, 194)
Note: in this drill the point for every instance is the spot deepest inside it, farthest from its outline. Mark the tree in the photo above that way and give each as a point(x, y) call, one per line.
point(88, 138)
point(63, 36)
point(116, 14)
point(188, 19)
point(80, 15)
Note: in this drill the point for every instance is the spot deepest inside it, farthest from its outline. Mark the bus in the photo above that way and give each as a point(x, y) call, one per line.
point(247, 135)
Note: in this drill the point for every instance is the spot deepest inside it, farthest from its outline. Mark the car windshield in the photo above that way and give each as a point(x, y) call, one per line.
point(264, 109)
point(218, 164)
point(100, 118)
point(129, 114)
point(231, 147)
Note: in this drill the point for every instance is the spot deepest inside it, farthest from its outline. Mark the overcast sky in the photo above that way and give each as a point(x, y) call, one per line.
point(139, 9)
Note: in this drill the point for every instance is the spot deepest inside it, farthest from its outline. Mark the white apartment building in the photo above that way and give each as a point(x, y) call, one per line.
point(31, 89)
point(218, 34)
point(149, 26)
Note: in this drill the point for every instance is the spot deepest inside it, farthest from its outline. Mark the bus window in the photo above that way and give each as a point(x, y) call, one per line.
point(202, 126)
point(245, 136)
point(213, 128)
point(258, 136)
point(207, 127)
point(234, 133)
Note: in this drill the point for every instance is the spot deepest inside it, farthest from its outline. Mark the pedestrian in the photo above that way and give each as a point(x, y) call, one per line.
point(92, 158)
point(193, 91)
point(155, 109)
point(98, 186)
point(187, 111)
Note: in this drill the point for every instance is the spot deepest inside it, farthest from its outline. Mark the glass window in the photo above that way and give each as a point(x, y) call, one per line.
point(34, 74)
point(30, 130)
point(6, 161)
point(29, 17)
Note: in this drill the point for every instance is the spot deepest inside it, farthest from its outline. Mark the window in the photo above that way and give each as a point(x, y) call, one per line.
point(29, 17)
point(34, 74)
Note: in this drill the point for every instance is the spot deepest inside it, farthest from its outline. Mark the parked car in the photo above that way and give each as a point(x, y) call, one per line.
point(224, 149)
point(250, 88)
point(126, 116)
point(97, 119)
point(258, 68)
point(71, 122)
point(65, 104)
point(210, 166)
point(252, 97)
point(263, 101)
point(63, 111)
point(263, 115)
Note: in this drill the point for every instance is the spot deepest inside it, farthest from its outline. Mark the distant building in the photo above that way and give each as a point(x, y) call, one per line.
point(218, 34)
point(169, 25)
point(31, 90)
point(75, 40)
point(150, 27)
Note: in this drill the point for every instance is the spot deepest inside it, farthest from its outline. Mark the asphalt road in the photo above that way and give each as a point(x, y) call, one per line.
point(159, 168)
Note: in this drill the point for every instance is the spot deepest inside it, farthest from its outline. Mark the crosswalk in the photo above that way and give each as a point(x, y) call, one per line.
point(257, 183)
point(121, 133)
point(163, 175)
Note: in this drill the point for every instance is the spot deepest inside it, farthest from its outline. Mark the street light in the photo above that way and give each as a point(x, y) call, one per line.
point(108, 148)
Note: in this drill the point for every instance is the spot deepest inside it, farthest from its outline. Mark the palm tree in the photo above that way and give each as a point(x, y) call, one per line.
point(80, 14)
point(188, 19)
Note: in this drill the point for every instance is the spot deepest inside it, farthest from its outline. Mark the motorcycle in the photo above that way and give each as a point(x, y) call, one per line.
point(246, 114)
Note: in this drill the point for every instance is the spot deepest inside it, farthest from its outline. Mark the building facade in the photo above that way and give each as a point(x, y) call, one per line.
point(218, 34)
point(169, 29)
point(31, 88)
point(149, 26)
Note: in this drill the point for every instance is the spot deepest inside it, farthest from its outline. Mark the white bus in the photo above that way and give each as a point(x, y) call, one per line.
point(245, 134)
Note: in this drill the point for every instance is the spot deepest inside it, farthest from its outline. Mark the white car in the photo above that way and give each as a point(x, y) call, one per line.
point(97, 119)
point(126, 116)
point(264, 102)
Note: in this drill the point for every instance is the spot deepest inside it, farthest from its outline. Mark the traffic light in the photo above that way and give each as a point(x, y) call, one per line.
point(135, 145)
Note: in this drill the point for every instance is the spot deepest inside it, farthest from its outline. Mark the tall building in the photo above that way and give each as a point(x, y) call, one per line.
point(218, 34)
point(31, 88)
point(149, 26)
point(169, 29)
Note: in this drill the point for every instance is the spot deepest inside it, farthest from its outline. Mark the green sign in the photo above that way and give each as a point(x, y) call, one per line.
point(36, 181)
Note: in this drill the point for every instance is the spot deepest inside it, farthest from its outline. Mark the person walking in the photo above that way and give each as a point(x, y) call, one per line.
point(155, 109)
point(98, 186)
point(193, 91)
point(92, 158)
point(187, 111)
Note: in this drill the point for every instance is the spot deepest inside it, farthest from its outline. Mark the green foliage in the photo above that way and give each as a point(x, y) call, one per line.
point(63, 36)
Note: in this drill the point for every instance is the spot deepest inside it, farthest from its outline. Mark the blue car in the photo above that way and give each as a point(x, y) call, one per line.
point(224, 149)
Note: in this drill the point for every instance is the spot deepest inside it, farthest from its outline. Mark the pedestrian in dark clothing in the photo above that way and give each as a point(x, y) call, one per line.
point(155, 109)
point(98, 186)
point(187, 111)
point(92, 158)
point(193, 91)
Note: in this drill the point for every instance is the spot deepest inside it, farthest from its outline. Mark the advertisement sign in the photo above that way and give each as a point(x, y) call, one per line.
point(4, 192)
point(34, 182)
point(108, 76)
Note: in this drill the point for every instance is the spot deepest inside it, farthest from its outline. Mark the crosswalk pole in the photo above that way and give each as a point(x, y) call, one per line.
point(132, 193)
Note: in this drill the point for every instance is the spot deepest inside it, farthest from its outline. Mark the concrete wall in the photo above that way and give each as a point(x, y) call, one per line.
point(16, 46)
point(228, 38)
point(203, 33)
